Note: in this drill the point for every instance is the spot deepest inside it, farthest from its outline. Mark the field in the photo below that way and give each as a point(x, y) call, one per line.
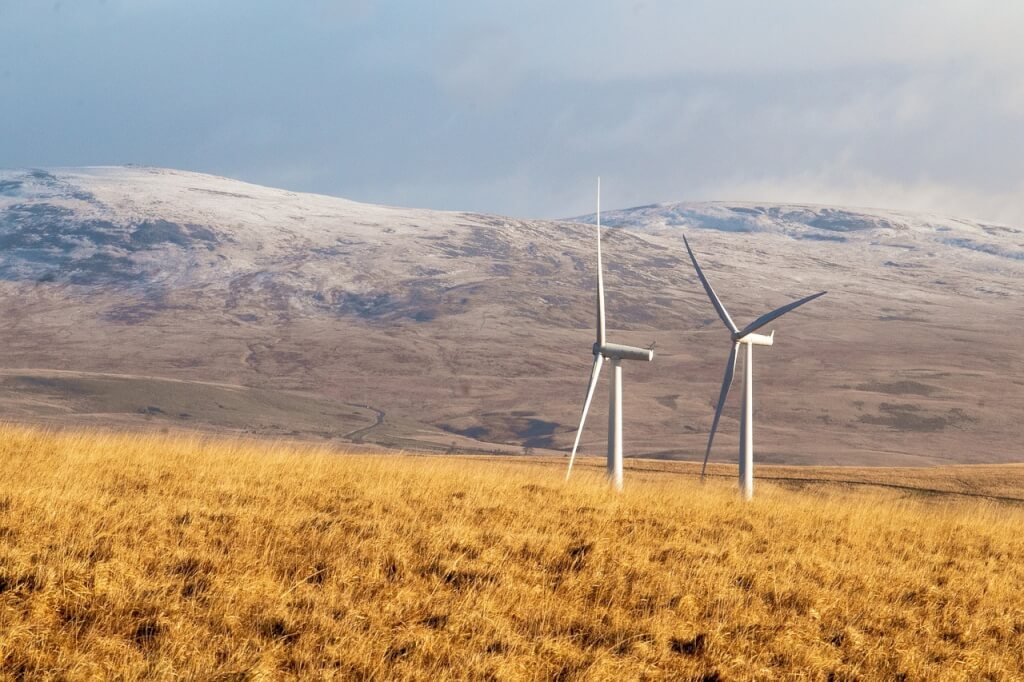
point(175, 556)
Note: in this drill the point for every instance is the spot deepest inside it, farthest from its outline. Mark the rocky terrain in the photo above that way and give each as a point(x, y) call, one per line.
point(327, 318)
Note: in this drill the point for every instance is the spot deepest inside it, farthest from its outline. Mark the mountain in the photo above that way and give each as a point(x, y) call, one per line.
point(128, 290)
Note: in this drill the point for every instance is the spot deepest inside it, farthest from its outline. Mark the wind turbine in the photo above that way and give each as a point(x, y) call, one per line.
point(616, 353)
point(748, 338)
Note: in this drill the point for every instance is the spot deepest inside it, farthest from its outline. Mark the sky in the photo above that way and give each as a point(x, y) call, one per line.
point(516, 107)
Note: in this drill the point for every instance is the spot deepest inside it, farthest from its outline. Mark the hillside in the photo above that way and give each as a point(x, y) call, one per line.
point(433, 329)
point(169, 557)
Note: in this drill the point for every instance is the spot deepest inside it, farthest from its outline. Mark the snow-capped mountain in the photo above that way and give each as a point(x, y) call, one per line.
point(923, 235)
point(458, 326)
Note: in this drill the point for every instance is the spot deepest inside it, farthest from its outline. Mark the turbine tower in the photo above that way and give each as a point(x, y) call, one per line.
point(616, 353)
point(745, 337)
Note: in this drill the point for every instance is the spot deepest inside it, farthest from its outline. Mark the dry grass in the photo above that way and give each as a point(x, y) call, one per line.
point(159, 557)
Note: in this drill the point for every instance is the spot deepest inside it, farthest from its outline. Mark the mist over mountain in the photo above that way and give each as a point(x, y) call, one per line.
point(315, 316)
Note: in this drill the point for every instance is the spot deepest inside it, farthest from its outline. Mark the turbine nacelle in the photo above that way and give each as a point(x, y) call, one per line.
point(755, 339)
point(616, 351)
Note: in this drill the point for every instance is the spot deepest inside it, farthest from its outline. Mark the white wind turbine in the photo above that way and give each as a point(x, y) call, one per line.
point(616, 353)
point(745, 337)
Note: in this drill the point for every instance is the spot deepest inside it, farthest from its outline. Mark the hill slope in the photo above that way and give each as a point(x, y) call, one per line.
point(457, 326)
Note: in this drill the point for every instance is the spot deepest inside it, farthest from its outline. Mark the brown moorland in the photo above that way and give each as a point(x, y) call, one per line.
point(155, 557)
point(137, 297)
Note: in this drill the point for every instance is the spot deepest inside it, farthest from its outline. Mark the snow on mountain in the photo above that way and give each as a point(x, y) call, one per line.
point(826, 223)
point(108, 224)
point(477, 326)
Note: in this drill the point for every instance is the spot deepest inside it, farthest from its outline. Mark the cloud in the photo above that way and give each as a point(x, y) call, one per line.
point(614, 40)
point(514, 107)
point(483, 65)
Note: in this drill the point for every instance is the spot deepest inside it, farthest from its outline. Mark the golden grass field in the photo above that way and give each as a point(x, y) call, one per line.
point(166, 557)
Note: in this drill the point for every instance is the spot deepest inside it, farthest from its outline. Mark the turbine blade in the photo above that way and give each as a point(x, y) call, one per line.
point(777, 313)
point(722, 312)
point(600, 274)
point(730, 368)
point(594, 373)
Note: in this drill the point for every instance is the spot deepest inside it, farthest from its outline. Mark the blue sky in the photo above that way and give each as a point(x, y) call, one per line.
point(515, 107)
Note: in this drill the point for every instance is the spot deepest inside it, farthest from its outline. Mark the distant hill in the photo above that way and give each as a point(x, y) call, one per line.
point(474, 330)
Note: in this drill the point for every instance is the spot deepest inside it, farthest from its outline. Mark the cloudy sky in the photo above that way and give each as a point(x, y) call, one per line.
point(514, 107)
